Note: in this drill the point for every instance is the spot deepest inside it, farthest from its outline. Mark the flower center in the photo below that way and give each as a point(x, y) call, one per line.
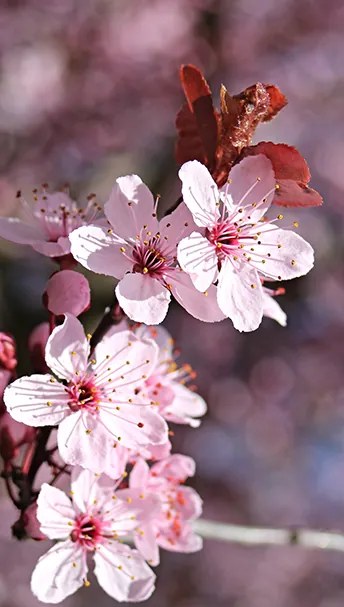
point(87, 531)
point(84, 395)
point(224, 235)
point(149, 257)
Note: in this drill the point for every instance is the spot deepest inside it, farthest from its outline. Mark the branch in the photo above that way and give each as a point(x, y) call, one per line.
point(260, 536)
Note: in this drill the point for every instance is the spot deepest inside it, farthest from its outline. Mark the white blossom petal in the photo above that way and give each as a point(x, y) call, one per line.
point(54, 512)
point(200, 193)
point(100, 251)
point(38, 400)
point(240, 295)
point(143, 298)
point(197, 257)
point(67, 349)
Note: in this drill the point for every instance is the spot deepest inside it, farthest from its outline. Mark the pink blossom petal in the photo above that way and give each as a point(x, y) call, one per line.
point(272, 309)
point(139, 475)
point(202, 306)
point(176, 468)
point(286, 254)
point(54, 512)
point(68, 292)
point(83, 441)
point(55, 577)
point(38, 400)
point(19, 232)
point(143, 298)
point(185, 407)
point(188, 503)
point(135, 426)
point(100, 251)
point(161, 337)
point(186, 541)
point(130, 207)
point(240, 295)
point(147, 545)
point(200, 193)
point(67, 349)
point(177, 224)
point(89, 490)
point(123, 578)
point(252, 186)
point(197, 257)
point(50, 249)
point(124, 359)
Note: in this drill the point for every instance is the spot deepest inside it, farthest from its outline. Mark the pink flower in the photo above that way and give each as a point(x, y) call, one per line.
point(236, 244)
point(166, 384)
point(171, 528)
point(67, 292)
point(48, 222)
point(141, 252)
point(8, 352)
point(95, 401)
point(90, 525)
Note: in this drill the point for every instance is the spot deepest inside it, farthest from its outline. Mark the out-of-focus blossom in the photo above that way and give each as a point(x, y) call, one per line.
point(37, 342)
point(236, 237)
point(13, 435)
point(94, 402)
point(171, 529)
point(31, 523)
point(47, 222)
point(8, 353)
point(91, 524)
point(141, 252)
point(67, 292)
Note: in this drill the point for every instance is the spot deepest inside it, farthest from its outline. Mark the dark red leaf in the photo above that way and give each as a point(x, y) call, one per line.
point(277, 101)
point(189, 145)
point(291, 172)
point(198, 96)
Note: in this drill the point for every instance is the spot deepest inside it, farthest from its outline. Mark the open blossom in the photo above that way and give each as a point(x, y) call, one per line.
point(47, 222)
point(171, 527)
point(141, 252)
point(95, 402)
point(91, 525)
point(236, 245)
point(166, 385)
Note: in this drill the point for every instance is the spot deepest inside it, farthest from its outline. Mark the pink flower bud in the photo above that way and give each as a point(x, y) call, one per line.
point(37, 342)
point(8, 355)
point(67, 292)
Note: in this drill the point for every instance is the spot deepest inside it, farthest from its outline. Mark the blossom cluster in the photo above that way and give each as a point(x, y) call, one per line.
point(111, 396)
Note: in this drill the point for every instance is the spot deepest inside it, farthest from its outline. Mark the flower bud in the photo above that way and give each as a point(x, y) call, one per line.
point(67, 292)
point(8, 355)
point(37, 342)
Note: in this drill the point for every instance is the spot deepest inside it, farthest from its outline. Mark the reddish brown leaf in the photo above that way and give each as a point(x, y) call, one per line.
point(277, 101)
point(291, 172)
point(189, 145)
point(198, 96)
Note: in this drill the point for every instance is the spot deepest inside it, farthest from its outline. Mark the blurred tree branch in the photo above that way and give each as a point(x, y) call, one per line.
point(259, 536)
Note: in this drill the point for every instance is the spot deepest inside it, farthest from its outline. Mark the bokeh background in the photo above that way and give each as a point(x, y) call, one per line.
point(89, 91)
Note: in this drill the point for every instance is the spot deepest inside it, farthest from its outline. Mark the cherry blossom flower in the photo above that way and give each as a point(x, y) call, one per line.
point(47, 223)
point(67, 292)
point(166, 384)
point(91, 524)
point(236, 244)
point(95, 402)
point(171, 528)
point(141, 252)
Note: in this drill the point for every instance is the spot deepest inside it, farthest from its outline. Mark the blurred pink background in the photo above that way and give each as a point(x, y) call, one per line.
point(89, 91)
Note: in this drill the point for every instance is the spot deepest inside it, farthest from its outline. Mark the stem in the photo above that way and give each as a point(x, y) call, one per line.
point(260, 536)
